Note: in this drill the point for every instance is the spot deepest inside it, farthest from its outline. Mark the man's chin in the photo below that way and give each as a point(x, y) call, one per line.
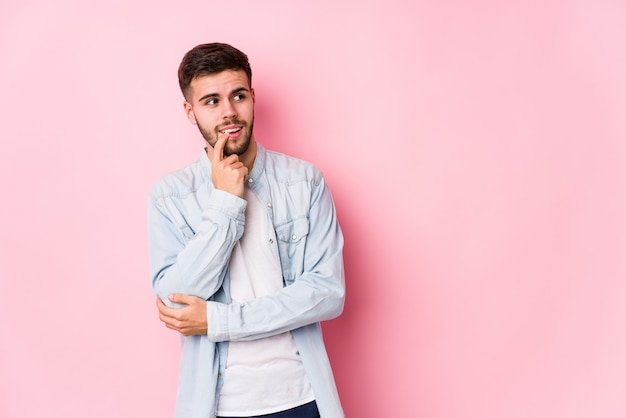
point(236, 150)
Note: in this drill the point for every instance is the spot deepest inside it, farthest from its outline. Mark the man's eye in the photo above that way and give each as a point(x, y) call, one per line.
point(239, 97)
point(211, 101)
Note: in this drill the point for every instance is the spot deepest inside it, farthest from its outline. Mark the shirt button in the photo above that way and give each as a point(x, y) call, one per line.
point(271, 241)
point(269, 205)
point(250, 180)
point(294, 237)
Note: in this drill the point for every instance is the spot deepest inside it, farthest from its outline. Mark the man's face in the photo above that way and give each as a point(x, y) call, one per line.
point(223, 104)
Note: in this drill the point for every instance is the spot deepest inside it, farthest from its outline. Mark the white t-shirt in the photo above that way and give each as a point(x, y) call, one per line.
point(263, 376)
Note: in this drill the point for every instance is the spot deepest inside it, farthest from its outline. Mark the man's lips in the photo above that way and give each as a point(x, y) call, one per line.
point(231, 129)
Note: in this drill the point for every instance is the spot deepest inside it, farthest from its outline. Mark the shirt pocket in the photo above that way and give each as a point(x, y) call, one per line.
point(291, 244)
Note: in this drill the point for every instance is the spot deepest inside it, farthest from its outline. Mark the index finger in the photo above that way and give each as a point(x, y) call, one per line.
point(218, 148)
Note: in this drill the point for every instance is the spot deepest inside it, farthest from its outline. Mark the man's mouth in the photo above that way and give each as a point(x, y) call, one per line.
point(231, 130)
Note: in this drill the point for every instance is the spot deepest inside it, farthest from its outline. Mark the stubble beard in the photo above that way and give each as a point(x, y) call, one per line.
point(211, 138)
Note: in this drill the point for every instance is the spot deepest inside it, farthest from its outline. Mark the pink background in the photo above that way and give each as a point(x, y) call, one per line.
point(477, 155)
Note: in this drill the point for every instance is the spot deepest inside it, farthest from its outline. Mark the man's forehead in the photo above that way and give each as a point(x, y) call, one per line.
point(224, 80)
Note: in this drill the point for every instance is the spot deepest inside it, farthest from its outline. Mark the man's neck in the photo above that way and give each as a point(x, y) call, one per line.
point(248, 157)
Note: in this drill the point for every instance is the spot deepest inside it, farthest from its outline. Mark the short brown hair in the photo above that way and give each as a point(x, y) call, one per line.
point(213, 58)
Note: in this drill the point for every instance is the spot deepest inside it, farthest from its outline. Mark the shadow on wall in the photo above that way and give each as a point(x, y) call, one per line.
point(343, 335)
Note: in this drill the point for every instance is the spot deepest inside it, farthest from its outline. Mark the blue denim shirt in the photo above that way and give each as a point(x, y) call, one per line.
point(193, 228)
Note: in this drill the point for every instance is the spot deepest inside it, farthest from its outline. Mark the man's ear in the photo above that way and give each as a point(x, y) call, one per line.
point(252, 95)
point(189, 111)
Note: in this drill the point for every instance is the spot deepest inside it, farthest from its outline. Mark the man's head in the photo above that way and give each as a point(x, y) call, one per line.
point(216, 82)
point(207, 59)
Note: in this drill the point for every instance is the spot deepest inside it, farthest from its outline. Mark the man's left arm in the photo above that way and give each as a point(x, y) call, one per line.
point(316, 294)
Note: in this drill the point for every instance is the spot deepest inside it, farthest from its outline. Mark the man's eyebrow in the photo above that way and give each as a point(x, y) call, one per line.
point(215, 95)
point(207, 96)
point(239, 90)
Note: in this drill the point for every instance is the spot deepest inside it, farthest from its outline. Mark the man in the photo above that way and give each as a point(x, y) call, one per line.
point(245, 258)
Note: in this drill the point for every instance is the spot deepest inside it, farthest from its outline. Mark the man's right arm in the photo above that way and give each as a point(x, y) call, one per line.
point(196, 265)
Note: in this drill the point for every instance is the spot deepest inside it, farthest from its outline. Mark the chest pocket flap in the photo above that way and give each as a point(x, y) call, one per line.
point(293, 231)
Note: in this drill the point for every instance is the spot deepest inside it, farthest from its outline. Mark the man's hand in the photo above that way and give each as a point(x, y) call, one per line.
point(228, 174)
point(190, 320)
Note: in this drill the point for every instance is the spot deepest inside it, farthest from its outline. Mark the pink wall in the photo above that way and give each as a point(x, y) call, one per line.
point(477, 154)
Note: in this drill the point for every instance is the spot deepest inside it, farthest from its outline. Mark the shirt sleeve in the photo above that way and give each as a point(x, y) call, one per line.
point(317, 292)
point(192, 263)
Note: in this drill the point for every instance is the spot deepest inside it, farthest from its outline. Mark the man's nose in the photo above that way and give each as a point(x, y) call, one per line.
point(228, 110)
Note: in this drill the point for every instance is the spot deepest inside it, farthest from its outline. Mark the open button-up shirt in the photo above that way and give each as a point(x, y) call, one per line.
point(193, 228)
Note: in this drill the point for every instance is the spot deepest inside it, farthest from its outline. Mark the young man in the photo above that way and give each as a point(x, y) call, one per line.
point(245, 258)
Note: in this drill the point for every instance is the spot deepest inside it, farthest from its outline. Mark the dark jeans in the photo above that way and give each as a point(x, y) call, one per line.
point(308, 410)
